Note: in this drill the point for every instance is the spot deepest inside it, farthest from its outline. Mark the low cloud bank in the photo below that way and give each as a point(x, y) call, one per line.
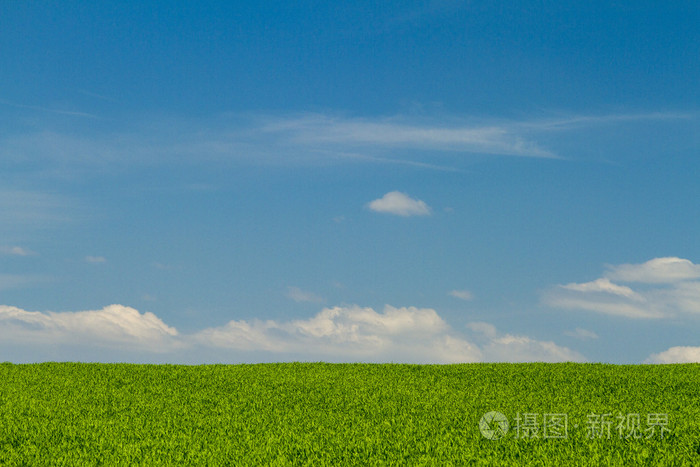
point(112, 326)
point(676, 355)
point(335, 334)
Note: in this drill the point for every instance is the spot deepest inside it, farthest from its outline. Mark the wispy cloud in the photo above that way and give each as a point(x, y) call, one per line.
point(482, 328)
point(16, 251)
point(71, 113)
point(166, 267)
point(24, 214)
point(461, 294)
point(298, 295)
point(97, 96)
point(399, 204)
point(365, 157)
point(580, 333)
point(571, 122)
point(435, 143)
point(95, 259)
point(327, 131)
point(602, 285)
point(658, 288)
point(32, 208)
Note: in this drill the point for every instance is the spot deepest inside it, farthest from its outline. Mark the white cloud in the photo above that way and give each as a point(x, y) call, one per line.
point(112, 326)
point(656, 271)
point(603, 285)
point(341, 333)
point(676, 355)
point(580, 333)
point(349, 334)
point(399, 204)
point(95, 259)
point(602, 305)
point(298, 295)
point(497, 347)
point(353, 333)
point(510, 348)
point(461, 294)
point(666, 288)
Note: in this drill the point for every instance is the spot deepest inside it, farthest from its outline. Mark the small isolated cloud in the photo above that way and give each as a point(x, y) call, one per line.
point(16, 251)
point(112, 326)
point(95, 259)
point(299, 296)
point(461, 294)
point(676, 355)
point(659, 288)
point(580, 333)
point(399, 204)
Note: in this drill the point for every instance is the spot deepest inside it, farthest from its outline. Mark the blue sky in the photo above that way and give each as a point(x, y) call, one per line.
point(430, 182)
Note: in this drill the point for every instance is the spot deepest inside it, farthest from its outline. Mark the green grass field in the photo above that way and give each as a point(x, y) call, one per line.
point(345, 414)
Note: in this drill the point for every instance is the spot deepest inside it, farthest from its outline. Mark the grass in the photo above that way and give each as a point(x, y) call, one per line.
point(341, 414)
